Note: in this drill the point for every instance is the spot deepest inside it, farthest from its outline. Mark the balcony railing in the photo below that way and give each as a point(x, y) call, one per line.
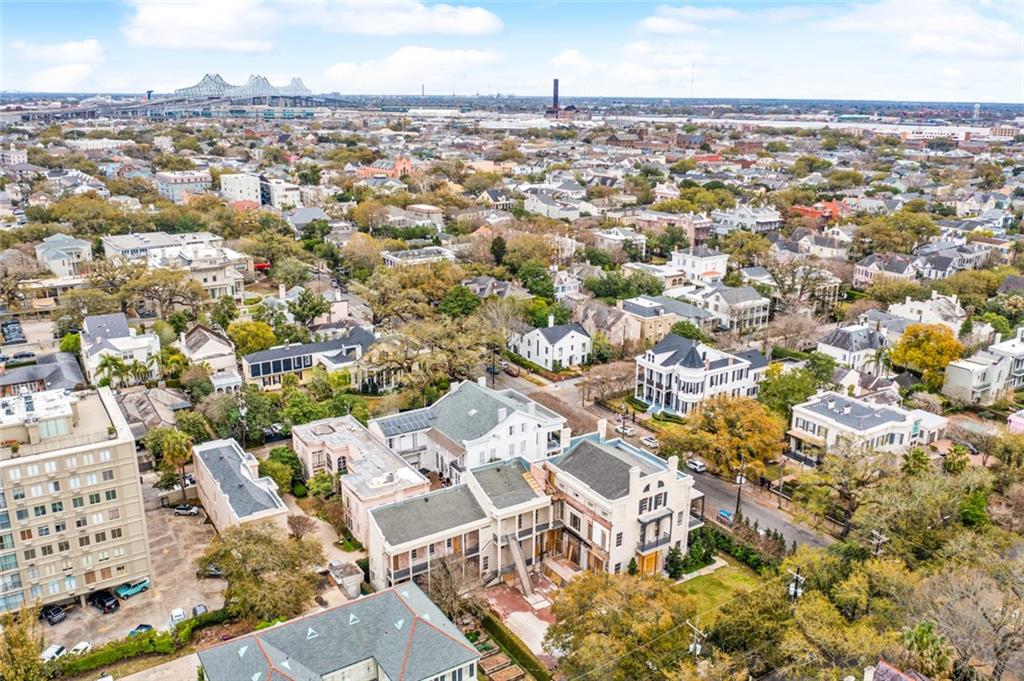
point(695, 521)
point(473, 550)
point(652, 544)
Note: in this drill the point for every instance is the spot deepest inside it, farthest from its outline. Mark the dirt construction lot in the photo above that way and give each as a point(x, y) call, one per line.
point(174, 544)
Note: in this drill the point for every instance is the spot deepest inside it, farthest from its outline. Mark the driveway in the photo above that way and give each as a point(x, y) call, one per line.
point(174, 545)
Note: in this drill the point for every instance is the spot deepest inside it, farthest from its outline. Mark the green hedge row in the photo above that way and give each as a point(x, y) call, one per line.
point(637, 404)
point(516, 649)
point(150, 643)
point(746, 554)
point(668, 418)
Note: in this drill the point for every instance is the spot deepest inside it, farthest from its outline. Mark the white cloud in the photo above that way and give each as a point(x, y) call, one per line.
point(228, 25)
point(63, 78)
point(403, 71)
point(934, 27)
point(387, 17)
point(76, 51)
point(673, 20)
point(574, 61)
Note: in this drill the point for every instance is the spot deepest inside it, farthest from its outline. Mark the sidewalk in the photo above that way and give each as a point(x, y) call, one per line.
point(181, 669)
point(325, 533)
point(707, 570)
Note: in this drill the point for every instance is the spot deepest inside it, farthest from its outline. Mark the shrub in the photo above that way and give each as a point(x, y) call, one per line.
point(185, 629)
point(299, 490)
point(150, 643)
point(515, 648)
point(364, 565)
point(748, 555)
point(639, 405)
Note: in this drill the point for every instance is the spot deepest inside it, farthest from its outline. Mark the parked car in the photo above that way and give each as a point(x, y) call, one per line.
point(52, 653)
point(725, 516)
point(23, 356)
point(186, 509)
point(129, 589)
point(103, 601)
point(53, 614)
point(106, 677)
point(199, 609)
point(649, 441)
point(141, 629)
point(512, 370)
point(80, 648)
point(696, 465)
point(625, 430)
point(177, 616)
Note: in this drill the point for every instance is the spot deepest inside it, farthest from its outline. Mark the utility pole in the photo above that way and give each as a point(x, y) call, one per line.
point(796, 585)
point(739, 487)
point(877, 539)
point(698, 639)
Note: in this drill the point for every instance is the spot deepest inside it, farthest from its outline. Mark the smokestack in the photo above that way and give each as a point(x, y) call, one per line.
point(554, 96)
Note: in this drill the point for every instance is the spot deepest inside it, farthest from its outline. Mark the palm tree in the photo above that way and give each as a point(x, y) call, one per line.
point(112, 368)
point(880, 360)
point(138, 370)
point(177, 453)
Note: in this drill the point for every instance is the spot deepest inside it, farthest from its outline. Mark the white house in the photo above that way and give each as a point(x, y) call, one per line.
point(746, 217)
point(855, 346)
point(619, 237)
point(240, 187)
point(554, 347)
point(981, 378)
point(701, 264)
point(678, 374)
point(109, 334)
point(64, 255)
point(739, 308)
point(829, 417)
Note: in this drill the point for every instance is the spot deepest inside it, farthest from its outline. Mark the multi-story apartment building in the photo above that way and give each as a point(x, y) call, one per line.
point(621, 237)
point(220, 271)
point(240, 187)
point(472, 425)
point(981, 378)
point(678, 373)
point(137, 246)
point(757, 220)
point(655, 315)
point(109, 334)
point(279, 194)
point(71, 512)
point(175, 184)
point(829, 418)
point(12, 156)
point(392, 635)
point(1013, 350)
point(64, 255)
point(371, 473)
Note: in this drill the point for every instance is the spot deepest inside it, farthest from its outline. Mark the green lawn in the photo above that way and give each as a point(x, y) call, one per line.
point(711, 591)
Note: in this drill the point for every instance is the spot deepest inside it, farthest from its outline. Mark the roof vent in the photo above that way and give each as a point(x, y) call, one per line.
point(352, 619)
point(399, 624)
point(286, 664)
point(311, 633)
point(257, 676)
point(241, 651)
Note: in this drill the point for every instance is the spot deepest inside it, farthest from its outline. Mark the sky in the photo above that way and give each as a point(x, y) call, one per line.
point(920, 50)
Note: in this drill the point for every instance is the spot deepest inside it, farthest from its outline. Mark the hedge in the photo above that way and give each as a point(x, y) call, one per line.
point(207, 619)
point(515, 648)
point(668, 418)
point(637, 404)
point(150, 643)
point(746, 554)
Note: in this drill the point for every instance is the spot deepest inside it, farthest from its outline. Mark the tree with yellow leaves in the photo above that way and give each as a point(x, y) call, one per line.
point(927, 349)
point(729, 433)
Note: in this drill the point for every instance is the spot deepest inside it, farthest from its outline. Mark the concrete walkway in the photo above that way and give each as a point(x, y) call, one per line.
point(707, 570)
point(181, 669)
point(326, 534)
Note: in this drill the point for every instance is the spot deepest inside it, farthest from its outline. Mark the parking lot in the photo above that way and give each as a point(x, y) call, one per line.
point(174, 544)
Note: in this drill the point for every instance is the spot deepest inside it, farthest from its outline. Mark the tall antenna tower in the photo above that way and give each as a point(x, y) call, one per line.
point(977, 112)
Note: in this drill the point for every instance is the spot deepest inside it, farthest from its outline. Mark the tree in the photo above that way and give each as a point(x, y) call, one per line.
point(889, 290)
point(750, 626)
point(320, 484)
point(194, 425)
point(842, 482)
point(915, 462)
point(307, 306)
point(279, 472)
point(177, 453)
point(745, 248)
point(290, 271)
point(167, 288)
point(71, 343)
point(21, 643)
point(300, 525)
point(269, 575)
point(927, 651)
point(459, 301)
point(618, 627)
point(674, 564)
point(688, 329)
point(286, 456)
point(781, 390)
point(928, 349)
point(900, 232)
point(298, 408)
point(454, 585)
point(536, 279)
point(112, 369)
point(730, 433)
point(15, 269)
point(978, 610)
point(224, 311)
point(250, 337)
point(498, 249)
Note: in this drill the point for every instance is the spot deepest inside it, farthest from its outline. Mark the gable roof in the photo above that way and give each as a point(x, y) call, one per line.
point(400, 629)
point(604, 467)
point(553, 334)
point(854, 338)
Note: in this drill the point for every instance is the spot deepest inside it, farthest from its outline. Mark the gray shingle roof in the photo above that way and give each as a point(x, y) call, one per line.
point(854, 338)
point(553, 334)
point(602, 467)
point(861, 416)
point(59, 370)
point(99, 328)
point(427, 514)
point(685, 352)
point(504, 484)
point(400, 629)
point(222, 459)
point(357, 336)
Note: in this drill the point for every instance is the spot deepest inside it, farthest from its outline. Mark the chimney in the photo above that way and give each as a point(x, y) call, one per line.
point(846, 408)
point(602, 429)
point(831, 404)
point(554, 96)
point(280, 291)
point(480, 381)
point(673, 463)
point(551, 320)
point(502, 413)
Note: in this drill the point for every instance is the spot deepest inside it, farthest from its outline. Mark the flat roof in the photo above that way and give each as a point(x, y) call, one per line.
point(427, 514)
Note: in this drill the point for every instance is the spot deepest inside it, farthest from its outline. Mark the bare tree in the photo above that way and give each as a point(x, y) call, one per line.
point(981, 613)
point(454, 584)
point(607, 380)
point(793, 330)
point(300, 525)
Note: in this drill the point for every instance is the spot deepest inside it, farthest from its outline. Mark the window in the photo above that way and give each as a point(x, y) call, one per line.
point(111, 494)
point(43, 530)
point(97, 518)
point(71, 462)
point(50, 466)
point(63, 546)
point(77, 502)
point(618, 568)
point(113, 514)
point(116, 533)
point(30, 554)
point(69, 582)
point(108, 475)
point(8, 562)
point(14, 474)
point(57, 507)
point(83, 541)
point(618, 541)
point(21, 514)
point(32, 470)
point(101, 537)
point(81, 522)
point(46, 550)
point(35, 491)
point(26, 535)
point(60, 526)
point(91, 479)
point(101, 557)
point(74, 482)
point(94, 498)
point(17, 493)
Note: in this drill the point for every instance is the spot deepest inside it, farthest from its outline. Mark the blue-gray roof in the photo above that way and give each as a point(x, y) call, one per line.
point(400, 629)
point(604, 466)
point(553, 334)
point(505, 483)
point(358, 336)
point(860, 415)
point(223, 458)
point(427, 514)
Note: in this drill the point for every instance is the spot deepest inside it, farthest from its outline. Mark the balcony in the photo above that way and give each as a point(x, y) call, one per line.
point(398, 575)
point(472, 551)
point(695, 521)
point(652, 544)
